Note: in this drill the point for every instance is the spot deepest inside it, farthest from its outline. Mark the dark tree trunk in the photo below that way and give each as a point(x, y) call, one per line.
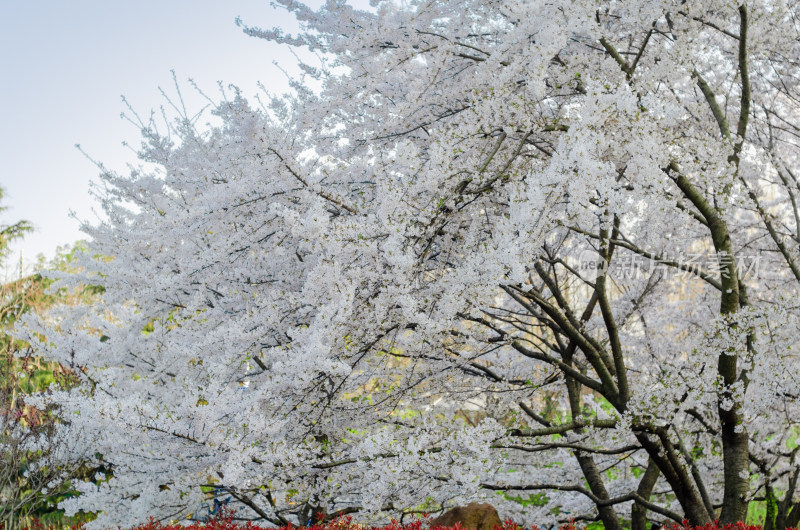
point(645, 489)
point(681, 483)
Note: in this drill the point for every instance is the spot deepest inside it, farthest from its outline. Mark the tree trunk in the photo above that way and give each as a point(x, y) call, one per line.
point(608, 516)
point(593, 477)
point(735, 453)
point(735, 450)
point(645, 489)
point(679, 480)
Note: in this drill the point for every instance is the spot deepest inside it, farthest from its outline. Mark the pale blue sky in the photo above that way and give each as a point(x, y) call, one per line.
point(66, 63)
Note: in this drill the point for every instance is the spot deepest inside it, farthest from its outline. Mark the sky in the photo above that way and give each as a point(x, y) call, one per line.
point(65, 66)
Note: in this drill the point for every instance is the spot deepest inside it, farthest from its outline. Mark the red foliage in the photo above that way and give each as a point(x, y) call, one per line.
point(225, 521)
point(715, 526)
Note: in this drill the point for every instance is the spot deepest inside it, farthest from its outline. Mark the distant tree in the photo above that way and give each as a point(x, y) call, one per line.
point(37, 461)
point(516, 247)
point(9, 233)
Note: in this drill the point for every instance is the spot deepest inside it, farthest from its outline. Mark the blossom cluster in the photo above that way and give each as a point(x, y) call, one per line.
point(363, 296)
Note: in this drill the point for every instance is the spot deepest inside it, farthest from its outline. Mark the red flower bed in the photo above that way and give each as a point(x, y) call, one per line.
point(226, 521)
point(716, 526)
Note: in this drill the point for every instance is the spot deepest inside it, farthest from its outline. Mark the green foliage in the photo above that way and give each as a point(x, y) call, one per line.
point(22, 374)
point(9, 233)
point(534, 499)
point(32, 294)
point(756, 512)
point(596, 525)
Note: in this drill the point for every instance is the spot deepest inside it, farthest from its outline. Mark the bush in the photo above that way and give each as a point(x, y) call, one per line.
point(226, 520)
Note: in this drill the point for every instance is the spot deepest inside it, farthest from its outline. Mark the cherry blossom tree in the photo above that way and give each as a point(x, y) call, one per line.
point(485, 250)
